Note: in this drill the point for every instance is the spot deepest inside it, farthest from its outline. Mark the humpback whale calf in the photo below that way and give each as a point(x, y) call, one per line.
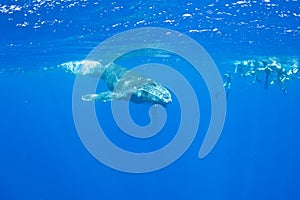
point(121, 82)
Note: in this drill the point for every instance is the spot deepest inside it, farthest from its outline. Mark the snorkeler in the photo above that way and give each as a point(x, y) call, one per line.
point(227, 84)
point(270, 70)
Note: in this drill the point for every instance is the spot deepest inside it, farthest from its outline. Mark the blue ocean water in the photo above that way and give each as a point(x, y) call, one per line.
point(42, 156)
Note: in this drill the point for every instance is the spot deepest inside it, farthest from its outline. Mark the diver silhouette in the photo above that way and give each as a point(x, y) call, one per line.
point(269, 70)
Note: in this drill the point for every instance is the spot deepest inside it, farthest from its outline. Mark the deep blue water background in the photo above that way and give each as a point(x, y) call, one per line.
point(42, 157)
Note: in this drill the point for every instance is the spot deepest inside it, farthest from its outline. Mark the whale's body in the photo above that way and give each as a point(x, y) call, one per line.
point(122, 83)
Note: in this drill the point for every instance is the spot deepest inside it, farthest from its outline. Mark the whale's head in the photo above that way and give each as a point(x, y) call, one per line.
point(152, 92)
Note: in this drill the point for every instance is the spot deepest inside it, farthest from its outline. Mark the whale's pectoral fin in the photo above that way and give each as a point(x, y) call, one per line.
point(104, 96)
